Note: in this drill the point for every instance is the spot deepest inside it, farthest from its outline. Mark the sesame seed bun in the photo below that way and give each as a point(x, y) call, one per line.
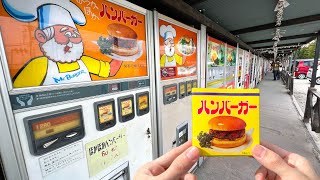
point(226, 123)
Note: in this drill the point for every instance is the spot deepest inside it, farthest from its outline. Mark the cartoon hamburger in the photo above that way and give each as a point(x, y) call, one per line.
point(227, 131)
point(123, 38)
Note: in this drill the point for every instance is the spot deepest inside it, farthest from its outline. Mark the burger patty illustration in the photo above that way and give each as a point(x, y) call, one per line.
point(123, 38)
point(227, 131)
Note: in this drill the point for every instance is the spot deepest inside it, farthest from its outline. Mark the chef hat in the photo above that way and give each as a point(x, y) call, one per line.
point(50, 15)
point(167, 32)
point(49, 12)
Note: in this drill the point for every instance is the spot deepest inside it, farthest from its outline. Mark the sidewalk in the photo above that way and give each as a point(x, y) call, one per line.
point(280, 125)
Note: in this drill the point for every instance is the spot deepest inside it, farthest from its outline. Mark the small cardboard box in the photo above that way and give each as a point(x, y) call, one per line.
point(225, 122)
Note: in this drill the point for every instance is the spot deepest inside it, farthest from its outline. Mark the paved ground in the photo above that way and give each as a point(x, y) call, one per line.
point(300, 89)
point(280, 125)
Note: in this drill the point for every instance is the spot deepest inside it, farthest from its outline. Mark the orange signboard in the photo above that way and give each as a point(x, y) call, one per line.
point(72, 41)
point(178, 51)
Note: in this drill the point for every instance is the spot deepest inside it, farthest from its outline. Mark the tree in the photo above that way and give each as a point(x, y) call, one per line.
point(307, 52)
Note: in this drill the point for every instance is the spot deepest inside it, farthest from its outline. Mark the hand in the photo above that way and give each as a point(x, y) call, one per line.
point(172, 165)
point(278, 163)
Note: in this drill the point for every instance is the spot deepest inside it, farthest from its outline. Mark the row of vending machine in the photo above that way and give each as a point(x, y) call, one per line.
point(94, 89)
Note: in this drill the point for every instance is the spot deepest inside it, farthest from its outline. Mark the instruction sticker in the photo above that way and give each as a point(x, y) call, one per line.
point(106, 151)
point(61, 158)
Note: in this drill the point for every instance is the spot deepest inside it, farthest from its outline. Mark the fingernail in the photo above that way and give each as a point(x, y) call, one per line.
point(193, 153)
point(258, 151)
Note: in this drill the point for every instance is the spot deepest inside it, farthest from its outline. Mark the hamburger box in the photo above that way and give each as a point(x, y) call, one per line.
point(225, 122)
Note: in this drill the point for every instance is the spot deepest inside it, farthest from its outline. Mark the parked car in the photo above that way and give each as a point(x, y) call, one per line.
point(309, 75)
point(302, 68)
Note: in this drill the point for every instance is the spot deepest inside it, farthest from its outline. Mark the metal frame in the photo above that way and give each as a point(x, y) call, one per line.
point(203, 59)
point(153, 85)
point(13, 160)
point(236, 78)
point(243, 68)
point(14, 91)
point(157, 80)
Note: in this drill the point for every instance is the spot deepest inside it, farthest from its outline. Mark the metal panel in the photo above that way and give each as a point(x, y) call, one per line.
point(13, 159)
point(153, 87)
point(203, 58)
point(159, 92)
point(236, 78)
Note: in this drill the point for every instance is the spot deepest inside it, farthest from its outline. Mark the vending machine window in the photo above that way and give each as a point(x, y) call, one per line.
point(50, 131)
point(169, 93)
point(126, 108)
point(194, 84)
point(182, 90)
point(182, 133)
point(189, 88)
point(142, 103)
point(105, 114)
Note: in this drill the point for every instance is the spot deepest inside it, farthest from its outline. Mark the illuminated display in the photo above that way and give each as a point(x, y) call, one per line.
point(56, 125)
point(171, 91)
point(195, 84)
point(105, 113)
point(52, 130)
point(189, 86)
point(126, 107)
point(143, 102)
point(182, 89)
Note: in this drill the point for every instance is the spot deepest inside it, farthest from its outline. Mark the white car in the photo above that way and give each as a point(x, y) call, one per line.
point(309, 75)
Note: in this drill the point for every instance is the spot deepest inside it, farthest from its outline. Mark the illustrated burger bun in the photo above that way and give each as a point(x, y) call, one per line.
point(124, 39)
point(228, 131)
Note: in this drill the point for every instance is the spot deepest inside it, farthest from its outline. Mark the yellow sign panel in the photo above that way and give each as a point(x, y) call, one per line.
point(225, 121)
point(106, 151)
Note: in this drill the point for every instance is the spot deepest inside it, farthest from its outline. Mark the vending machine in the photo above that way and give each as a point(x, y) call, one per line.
point(215, 64)
point(241, 68)
point(176, 57)
point(246, 69)
point(76, 89)
point(231, 59)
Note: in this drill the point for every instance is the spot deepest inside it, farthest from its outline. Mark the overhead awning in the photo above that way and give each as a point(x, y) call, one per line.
point(251, 23)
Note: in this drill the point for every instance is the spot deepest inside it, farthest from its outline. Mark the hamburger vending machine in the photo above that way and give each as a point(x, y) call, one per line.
point(176, 62)
point(75, 89)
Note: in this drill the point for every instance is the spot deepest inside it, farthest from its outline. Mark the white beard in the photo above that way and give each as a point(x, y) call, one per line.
point(169, 51)
point(55, 52)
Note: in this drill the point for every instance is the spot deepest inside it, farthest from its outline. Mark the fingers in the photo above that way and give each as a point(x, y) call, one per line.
point(168, 158)
point(182, 164)
point(302, 164)
point(190, 176)
point(281, 152)
point(261, 173)
point(271, 160)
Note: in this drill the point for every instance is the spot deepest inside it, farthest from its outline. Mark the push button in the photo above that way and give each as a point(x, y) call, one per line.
point(48, 144)
point(71, 135)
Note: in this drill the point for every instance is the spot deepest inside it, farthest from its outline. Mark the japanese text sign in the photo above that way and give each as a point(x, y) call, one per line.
point(225, 121)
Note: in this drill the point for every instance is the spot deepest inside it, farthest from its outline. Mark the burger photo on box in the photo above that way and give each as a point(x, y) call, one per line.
point(226, 132)
point(121, 44)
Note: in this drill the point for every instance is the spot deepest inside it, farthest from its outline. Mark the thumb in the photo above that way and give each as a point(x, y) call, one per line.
point(182, 164)
point(271, 160)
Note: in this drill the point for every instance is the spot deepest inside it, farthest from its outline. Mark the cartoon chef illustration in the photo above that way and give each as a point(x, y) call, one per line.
point(170, 58)
point(61, 44)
